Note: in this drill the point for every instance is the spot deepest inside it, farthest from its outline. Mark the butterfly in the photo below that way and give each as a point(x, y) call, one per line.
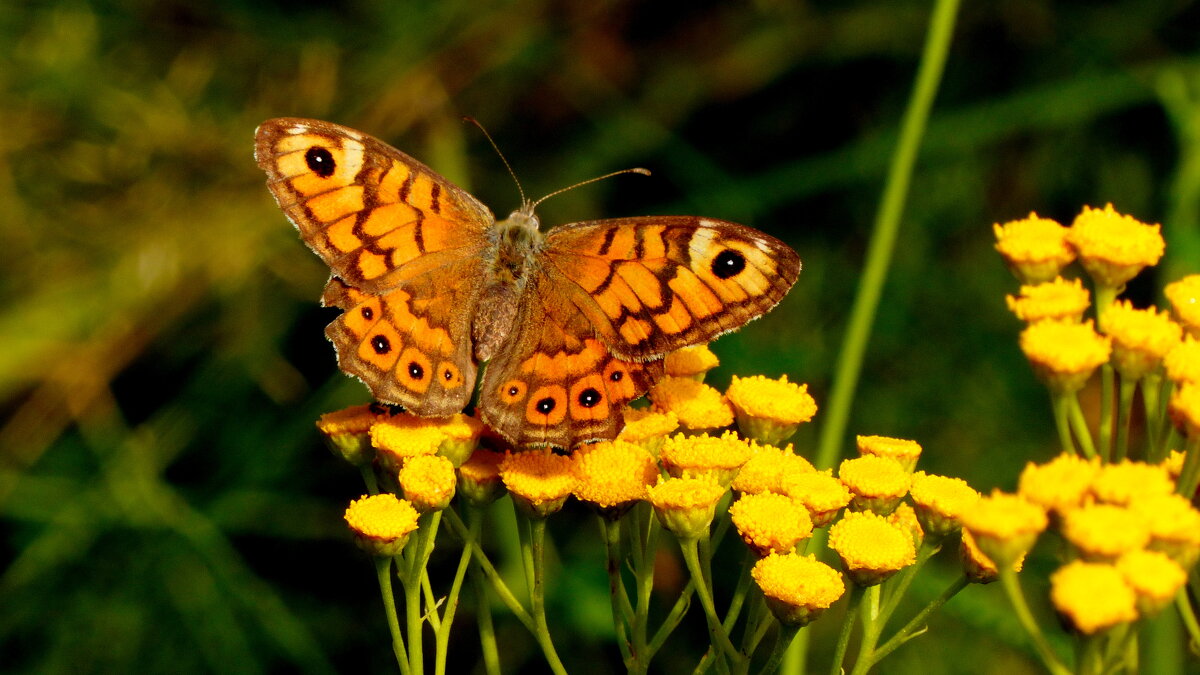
point(568, 325)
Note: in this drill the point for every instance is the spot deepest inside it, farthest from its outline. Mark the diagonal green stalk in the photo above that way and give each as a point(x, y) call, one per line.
point(622, 612)
point(854, 603)
point(1080, 426)
point(1062, 416)
point(1012, 587)
point(1106, 412)
point(442, 629)
point(537, 541)
point(483, 609)
point(1189, 476)
point(909, 630)
point(1124, 413)
point(719, 637)
point(489, 571)
point(383, 571)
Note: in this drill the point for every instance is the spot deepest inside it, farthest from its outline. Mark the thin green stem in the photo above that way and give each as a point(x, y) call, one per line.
point(412, 615)
point(431, 603)
point(489, 571)
point(678, 611)
point(1188, 615)
point(537, 531)
point(383, 571)
point(909, 630)
point(483, 608)
point(442, 629)
point(1062, 408)
point(368, 474)
point(1167, 433)
point(622, 613)
point(1151, 385)
point(1080, 426)
point(643, 572)
point(1189, 476)
point(780, 650)
point(852, 608)
point(1012, 587)
point(1124, 415)
point(720, 638)
point(1106, 412)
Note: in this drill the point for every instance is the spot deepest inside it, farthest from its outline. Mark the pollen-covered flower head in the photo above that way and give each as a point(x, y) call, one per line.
point(904, 451)
point(797, 588)
point(1183, 361)
point(718, 457)
point(905, 518)
point(613, 475)
point(940, 502)
point(1036, 249)
point(1102, 532)
point(819, 492)
point(1184, 296)
point(346, 432)
point(1005, 526)
point(381, 523)
point(462, 437)
point(648, 428)
point(977, 567)
point(1064, 355)
point(1174, 526)
point(685, 506)
point(1093, 596)
point(1114, 247)
point(402, 436)
point(1141, 338)
point(770, 523)
point(479, 477)
point(538, 480)
point(1185, 409)
point(767, 467)
point(767, 410)
point(871, 548)
point(1123, 482)
point(698, 406)
point(1060, 484)
point(1154, 578)
point(877, 483)
point(428, 482)
point(692, 362)
point(1057, 300)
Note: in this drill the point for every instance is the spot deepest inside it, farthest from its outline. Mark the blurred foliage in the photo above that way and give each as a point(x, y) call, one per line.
point(166, 504)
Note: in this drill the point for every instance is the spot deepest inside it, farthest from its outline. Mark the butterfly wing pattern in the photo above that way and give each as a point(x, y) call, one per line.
point(572, 325)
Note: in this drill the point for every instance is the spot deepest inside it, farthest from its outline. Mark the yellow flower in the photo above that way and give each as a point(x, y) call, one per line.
point(770, 523)
point(1101, 532)
point(1183, 362)
point(819, 492)
point(1036, 249)
point(1123, 482)
point(1059, 484)
point(699, 406)
point(1154, 577)
point(1064, 355)
point(613, 475)
point(428, 482)
point(1185, 409)
point(769, 411)
point(691, 362)
point(346, 432)
point(538, 480)
point(977, 567)
point(685, 506)
point(904, 451)
point(1059, 300)
point(1114, 247)
point(871, 548)
point(1093, 596)
point(381, 523)
point(1005, 526)
point(797, 588)
point(1174, 526)
point(479, 477)
point(1174, 464)
point(905, 518)
point(1185, 300)
point(402, 436)
point(766, 468)
point(940, 502)
point(1140, 338)
point(462, 437)
point(717, 457)
point(648, 428)
point(877, 483)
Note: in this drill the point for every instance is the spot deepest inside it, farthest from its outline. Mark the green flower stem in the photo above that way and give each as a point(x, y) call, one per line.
point(739, 593)
point(1090, 655)
point(885, 230)
point(1105, 297)
point(1188, 615)
point(1151, 386)
point(678, 611)
point(431, 603)
point(1080, 427)
point(871, 627)
point(1190, 475)
point(782, 643)
point(643, 572)
point(1124, 413)
point(383, 571)
point(852, 607)
point(442, 628)
point(412, 615)
point(489, 571)
point(1106, 412)
point(1062, 408)
point(1168, 435)
point(537, 531)
point(909, 630)
point(896, 588)
point(368, 474)
point(622, 612)
point(487, 631)
point(720, 638)
point(1012, 587)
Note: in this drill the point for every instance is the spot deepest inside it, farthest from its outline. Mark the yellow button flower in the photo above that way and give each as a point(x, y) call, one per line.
point(905, 518)
point(699, 406)
point(940, 502)
point(1005, 526)
point(1174, 526)
point(1154, 577)
point(479, 477)
point(613, 475)
point(685, 506)
point(767, 467)
point(1184, 296)
point(1093, 596)
point(381, 523)
point(1141, 338)
point(648, 428)
point(819, 492)
point(977, 567)
point(1035, 248)
point(402, 436)
point(770, 523)
point(904, 451)
point(877, 483)
point(1058, 300)
point(1114, 247)
point(538, 480)
point(1064, 355)
point(797, 588)
point(716, 457)
point(346, 432)
point(871, 548)
point(462, 437)
point(691, 362)
point(1060, 484)
point(1183, 361)
point(428, 482)
point(1123, 482)
point(1185, 409)
point(1102, 532)
point(769, 411)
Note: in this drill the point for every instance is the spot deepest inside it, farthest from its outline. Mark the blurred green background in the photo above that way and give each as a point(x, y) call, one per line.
point(165, 503)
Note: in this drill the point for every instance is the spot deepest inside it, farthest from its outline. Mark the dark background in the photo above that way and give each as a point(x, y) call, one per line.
point(165, 503)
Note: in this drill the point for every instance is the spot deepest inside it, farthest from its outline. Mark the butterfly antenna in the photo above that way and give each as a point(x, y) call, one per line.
point(520, 190)
point(637, 170)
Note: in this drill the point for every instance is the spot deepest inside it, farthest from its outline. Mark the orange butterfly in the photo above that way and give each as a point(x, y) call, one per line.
point(571, 324)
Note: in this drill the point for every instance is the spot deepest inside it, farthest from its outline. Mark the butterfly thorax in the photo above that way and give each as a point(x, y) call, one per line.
point(517, 243)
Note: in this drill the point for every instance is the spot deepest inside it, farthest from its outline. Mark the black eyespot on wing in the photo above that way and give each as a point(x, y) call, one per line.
point(320, 161)
point(545, 406)
point(513, 391)
point(415, 371)
point(447, 375)
point(728, 263)
point(368, 313)
point(616, 376)
point(589, 398)
point(380, 344)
